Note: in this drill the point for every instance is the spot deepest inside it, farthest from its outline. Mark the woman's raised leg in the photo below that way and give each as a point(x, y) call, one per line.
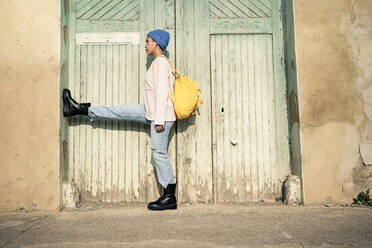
point(129, 112)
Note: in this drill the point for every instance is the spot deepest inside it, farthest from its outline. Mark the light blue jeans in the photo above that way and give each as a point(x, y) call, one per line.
point(159, 140)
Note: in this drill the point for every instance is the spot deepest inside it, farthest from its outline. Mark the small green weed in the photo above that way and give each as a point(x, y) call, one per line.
point(362, 198)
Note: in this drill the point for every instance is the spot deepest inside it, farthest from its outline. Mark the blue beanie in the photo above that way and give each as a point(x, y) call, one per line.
point(161, 37)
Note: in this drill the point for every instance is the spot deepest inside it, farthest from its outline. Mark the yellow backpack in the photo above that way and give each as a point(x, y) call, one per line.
point(187, 95)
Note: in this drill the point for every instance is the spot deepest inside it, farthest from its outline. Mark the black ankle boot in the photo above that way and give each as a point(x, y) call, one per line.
point(71, 107)
point(166, 201)
point(68, 93)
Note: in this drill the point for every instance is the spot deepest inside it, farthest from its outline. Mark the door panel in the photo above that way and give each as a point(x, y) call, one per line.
point(110, 160)
point(244, 117)
point(233, 49)
point(250, 137)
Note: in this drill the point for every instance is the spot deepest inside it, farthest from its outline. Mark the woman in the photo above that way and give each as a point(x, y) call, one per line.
point(157, 112)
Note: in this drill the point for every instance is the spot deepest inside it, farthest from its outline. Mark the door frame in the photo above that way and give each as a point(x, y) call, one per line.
point(290, 76)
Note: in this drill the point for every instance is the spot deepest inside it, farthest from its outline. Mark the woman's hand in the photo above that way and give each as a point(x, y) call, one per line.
point(159, 127)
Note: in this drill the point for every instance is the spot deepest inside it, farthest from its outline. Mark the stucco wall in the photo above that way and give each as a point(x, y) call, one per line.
point(334, 47)
point(334, 93)
point(29, 104)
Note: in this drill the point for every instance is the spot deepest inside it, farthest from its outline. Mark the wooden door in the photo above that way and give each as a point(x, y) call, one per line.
point(111, 160)
point(237, 149)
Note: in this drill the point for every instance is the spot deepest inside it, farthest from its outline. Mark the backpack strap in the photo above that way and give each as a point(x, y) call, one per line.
point(175, 73)
point(169, 93)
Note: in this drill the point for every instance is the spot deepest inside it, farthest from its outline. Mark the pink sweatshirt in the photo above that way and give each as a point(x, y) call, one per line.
point(158, 105)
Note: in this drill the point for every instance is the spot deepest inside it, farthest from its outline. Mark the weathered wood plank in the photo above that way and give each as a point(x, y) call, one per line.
point(126, 11)
point(219, 113)
point(215, 117)
point(89, 136)
point(106, 8)
point(226, 125)
point(186, 147)
point(244, 26)
point(77, 160)
point(252, 117)
point(94, 7)
point(122, 4)
point(106, 26)
point(102, 123)
point(134, 100)
point(122, 132)
point(241, 163)
point(128, 127)
point(115, 126)
point(95, 124)
point(82, 64)
point(84, 9)
point(108, 126)
point(246, 108)
point(272, 124)
point(72, 129)
point(265, 117)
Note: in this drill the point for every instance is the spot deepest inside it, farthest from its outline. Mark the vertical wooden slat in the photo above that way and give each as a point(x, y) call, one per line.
point(220, 113)
point(122, 133)
point(265, 119)
point(226, 128)
point(214, 108)
point(241, 109)
point(245, 126)
point(102, 124)
point(134, 145)
point(272, 119)
point(128, 129)
point(258, 102)
point(83, 121)
point(89, 137)
point(77, 161)
point(71, 85)
point(252, 118)
point(95, 124)
point(204, 182)
point(108, 127)
point(233, 112)
point(129, 136)
point(186, 152)
point(115, 125)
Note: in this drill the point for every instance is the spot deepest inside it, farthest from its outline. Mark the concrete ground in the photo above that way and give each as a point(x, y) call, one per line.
point(197, 225)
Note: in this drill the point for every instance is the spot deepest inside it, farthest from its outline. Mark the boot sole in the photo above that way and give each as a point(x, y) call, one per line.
point(66, 110)
point(169, 206)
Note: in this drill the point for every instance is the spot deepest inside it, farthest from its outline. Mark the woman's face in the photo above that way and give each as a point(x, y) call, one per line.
point(150, 45)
